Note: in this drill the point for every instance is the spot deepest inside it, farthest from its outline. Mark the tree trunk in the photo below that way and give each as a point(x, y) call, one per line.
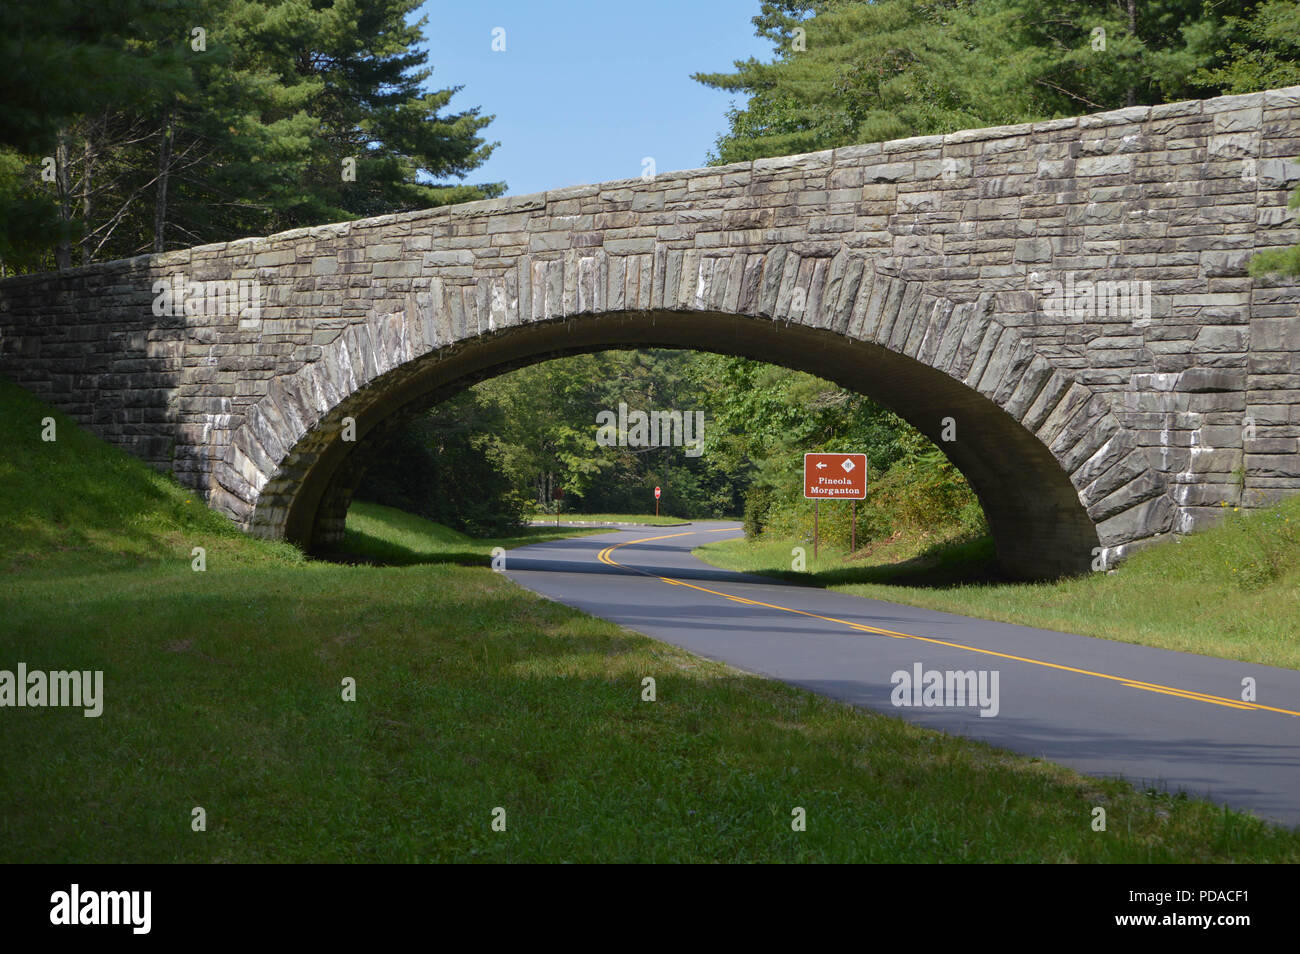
point(1130, 96)
point(88, 165)
point(63, 251)
point(164, 168)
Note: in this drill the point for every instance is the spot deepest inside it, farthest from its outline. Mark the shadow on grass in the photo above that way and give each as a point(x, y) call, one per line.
point(81, 503)
point(945, 565)
point(364, 549)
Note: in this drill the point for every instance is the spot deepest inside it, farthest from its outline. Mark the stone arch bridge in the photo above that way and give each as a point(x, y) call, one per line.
point(1072, 293)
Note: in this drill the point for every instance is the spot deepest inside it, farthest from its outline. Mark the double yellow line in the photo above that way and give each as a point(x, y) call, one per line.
point(604, 556)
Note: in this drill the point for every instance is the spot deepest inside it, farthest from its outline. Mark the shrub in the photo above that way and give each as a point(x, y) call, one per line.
point(758, 503)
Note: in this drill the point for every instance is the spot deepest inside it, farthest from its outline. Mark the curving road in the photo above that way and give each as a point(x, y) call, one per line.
point(1156, 717)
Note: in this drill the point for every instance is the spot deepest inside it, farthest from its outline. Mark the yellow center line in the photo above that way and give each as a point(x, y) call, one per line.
point(604, 556)
point(1194, 696)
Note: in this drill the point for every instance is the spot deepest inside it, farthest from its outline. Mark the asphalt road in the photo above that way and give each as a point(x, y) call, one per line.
point(1155, 717)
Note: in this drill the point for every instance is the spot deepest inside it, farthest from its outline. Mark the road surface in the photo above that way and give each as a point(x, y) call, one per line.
point(1156, 717)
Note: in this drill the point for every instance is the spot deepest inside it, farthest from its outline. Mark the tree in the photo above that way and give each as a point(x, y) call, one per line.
point(66, 65)
point(223, 118)
point(871, 71)
point(65, 58)
point(437, 467)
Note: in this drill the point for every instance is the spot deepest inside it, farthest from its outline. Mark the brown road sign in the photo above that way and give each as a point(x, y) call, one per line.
point(835, 476)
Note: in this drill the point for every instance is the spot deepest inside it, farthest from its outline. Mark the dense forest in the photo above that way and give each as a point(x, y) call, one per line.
point(146, 125)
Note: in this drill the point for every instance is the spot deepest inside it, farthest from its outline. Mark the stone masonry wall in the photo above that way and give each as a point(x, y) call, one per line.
point(949, 250)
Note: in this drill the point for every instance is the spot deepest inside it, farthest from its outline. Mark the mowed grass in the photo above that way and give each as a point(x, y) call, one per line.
point(1231, 591)
point(223, 690)
point(384, 535)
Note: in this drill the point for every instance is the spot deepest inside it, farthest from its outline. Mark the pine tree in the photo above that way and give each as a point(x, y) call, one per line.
point(193, 121)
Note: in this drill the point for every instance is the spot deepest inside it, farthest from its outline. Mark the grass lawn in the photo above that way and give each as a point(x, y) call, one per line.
point(382, 535)
point(222, 689)
point(1231, 591)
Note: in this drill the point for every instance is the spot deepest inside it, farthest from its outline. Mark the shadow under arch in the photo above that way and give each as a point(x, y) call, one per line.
point(1039, 523)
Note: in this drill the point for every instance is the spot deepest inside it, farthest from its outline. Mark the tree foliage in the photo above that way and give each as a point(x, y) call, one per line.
point(193, 121)
point(850, 71)
point(438, 468)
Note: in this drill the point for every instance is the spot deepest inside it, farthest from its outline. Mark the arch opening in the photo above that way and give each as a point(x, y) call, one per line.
point(1040, 527)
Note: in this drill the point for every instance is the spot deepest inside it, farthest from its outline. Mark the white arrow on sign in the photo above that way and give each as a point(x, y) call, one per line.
point(847, 465)
point(821, 465)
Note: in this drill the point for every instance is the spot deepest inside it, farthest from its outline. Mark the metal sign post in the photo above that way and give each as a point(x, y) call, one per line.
point(816, 528)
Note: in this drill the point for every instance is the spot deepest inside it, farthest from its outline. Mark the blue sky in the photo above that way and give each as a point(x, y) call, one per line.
point(586, 89)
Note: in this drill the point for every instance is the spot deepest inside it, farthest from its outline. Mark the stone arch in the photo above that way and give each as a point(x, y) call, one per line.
point(931, 270)
point(1058, 476)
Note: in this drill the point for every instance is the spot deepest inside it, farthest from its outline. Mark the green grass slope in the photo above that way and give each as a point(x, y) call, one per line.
point(223, 690)
point(75, 504)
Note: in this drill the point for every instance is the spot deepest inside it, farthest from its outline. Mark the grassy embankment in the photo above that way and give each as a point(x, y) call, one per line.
point(223, 690)
point(1231, 591)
